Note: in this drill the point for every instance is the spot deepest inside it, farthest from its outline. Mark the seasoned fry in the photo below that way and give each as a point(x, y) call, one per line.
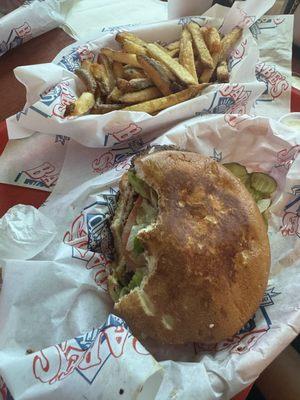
point(153, 106)
point(173, 45)
point(186, 54)
point(137, 84)
point(122, 84)
point(171, 64)
point(213, 40)
point(86, 64)
point(87, 78)
point(100, 108)
point(173, 53)
point(114, 95)
point(200, 45)
point(142, 95)
point(229, 41)
point(157, 74)
point(132, 72)
point(102, 59)
point(222, 72)
point(207, 73)
point(117, 69)
point(83, 104)
point(99, 73)
point(134, 48)
point(204, 31)
point(121, 36)
point(123, 58)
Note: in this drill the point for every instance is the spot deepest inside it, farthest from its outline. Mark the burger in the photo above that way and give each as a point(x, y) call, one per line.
point(192, 254)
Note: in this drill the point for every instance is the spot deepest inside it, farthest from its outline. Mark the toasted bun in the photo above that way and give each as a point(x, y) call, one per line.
point(208, 253)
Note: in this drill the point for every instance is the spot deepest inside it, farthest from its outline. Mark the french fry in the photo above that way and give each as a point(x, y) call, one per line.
point(176, 68)
point(122, 36)
point(114, 95)
point(86, 64)
point(100, 108)
point(133, 48)
point(213, 40)
point(203, 52)
point(87, 78)
point(122, 84)
point(186, 54)
point(99, 73)
point(222, 72)
point(102, 59)
point(229, 41)
point(83, 104)
point(207, 73)
point(141, 96)
point(132, 73)
point(137, 84)
point(173, 45)
point(123, 58)
point(117, 69)
point(173, 53)
point(153, 106)
point(157, 74)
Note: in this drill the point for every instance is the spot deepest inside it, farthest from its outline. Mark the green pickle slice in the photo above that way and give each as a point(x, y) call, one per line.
point(237, 170)
point(263, 183)
point(263, 205)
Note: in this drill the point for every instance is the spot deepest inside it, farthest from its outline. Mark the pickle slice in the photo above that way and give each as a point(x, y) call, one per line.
point(257, 196)
point(237, 170)
point(263, 205)
point(263, 183)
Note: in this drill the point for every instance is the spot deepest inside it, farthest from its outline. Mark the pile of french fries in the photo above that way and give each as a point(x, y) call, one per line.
point(151, 77)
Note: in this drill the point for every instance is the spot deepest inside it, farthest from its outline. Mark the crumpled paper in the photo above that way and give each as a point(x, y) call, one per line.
point(61, 292)
point(28, 21)
point(45, 115)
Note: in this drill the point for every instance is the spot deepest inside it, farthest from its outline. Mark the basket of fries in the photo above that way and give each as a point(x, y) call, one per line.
point(133, 82)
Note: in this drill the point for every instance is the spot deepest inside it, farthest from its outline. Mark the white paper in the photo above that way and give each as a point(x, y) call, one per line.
point(46, 115)
point(61, 293)
point(28, 21)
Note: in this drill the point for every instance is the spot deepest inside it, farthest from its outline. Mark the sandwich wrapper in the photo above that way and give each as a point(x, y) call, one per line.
point(55, 306)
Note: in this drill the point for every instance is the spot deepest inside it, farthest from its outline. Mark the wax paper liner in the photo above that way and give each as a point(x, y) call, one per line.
point(51, 87)
point(28, 21)
point(61, 292)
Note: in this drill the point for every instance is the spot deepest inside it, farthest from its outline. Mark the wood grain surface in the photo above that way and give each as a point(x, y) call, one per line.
point(41, 49)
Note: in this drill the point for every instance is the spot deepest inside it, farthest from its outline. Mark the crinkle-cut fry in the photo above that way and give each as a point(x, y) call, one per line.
point(186, 54)
point(173, 45)
point(83, 104)
point(140, 96)
point(102, 59)
point(157, 73)
point(133, 48)
point(162, 103)
point(207, 73)
point(121, 36)
point(229, 41)
point(200, 45)
point(100, 74)
point(114, 95)
point(222, 72)
point(213, 40)
point(132, 72)
point(100, 108)
point(87, 78)
point(117, 70)
point(176, 68)
point(120, 56)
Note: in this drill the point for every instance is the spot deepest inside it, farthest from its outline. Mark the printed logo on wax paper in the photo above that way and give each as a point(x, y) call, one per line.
point(291, 217)
point(117, 135)
point(276, 83)
point(16, 37)
point(42, 176)
point(4, 392)
point(73, 60)
point(237, 55)
point(53, 101)
point(117, 28)
point(86, 354)
point(251, 333)
point(230, 99)
point(286, 157)
point(186, 20)
point(90, 238)
point(265, 23)
point(61, 139)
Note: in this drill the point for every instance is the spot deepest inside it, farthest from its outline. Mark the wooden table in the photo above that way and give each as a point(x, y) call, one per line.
point(12, 98)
